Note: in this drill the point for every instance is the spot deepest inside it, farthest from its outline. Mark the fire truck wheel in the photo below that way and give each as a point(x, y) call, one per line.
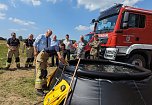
point(138, 60)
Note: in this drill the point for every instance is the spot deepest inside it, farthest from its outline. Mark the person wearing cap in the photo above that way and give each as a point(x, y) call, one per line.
point(29, 50)
point(68, 46)
point(13, 45)
point(94, 48)
point(43, 50)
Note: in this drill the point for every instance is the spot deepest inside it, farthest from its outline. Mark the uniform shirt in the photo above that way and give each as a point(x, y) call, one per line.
point(41, 43)
point(94, 47)
point(29, 42)
point(95, 44)
point(13, 42)
point(67, 44)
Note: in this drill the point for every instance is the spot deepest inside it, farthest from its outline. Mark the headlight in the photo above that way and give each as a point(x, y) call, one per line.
point(110, 53)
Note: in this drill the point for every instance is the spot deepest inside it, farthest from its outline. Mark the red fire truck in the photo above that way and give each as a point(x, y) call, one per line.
point(126, 34)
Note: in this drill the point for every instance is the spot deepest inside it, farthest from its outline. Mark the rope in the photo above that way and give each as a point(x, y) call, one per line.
point(71, 82)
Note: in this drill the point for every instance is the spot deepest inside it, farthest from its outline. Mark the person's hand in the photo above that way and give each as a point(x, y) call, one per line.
point(35, 53)
point(66, 63)
point(49, 64)
point(12, 48)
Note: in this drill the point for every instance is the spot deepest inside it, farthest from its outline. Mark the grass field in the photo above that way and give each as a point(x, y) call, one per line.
point(16, 85)
point(3, 53)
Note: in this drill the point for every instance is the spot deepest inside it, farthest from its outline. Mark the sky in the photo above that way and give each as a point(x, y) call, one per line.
point(63, 17)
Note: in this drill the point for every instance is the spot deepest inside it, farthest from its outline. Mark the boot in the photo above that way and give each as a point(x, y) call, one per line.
point(31, 64)
point(26, 65)
point(40, 92)
point(44, 87)
point(7, 65)
point(17, 60)
point(18, 66)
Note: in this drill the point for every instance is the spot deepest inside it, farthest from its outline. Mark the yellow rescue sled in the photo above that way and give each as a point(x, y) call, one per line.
point(58, 94)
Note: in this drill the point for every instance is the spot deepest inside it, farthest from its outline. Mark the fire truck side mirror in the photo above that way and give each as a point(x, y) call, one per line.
point(93, 21)
point(125, 16)
point(125, 20)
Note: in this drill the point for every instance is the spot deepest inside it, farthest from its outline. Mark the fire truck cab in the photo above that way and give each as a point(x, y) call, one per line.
point(88, 38)
point(126, 34)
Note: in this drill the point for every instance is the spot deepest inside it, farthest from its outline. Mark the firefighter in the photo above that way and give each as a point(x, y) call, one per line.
point(13, 45)
point(94, 52)
point(29, 51)
point(43, 49)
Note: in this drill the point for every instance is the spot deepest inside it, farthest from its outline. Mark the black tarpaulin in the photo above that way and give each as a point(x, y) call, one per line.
point(109, 90)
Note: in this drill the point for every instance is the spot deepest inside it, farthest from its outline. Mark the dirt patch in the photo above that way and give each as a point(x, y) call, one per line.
point(14, 99)
point(17, 87)
point(16, 74)
point(11, 89)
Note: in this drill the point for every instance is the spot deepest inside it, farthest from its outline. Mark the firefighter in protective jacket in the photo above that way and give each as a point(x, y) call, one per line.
point(13, 45)
point(43, 50)
point(95, 48)
point(29, 50)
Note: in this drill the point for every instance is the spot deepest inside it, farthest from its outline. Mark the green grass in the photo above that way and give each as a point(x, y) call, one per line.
point(3, 53)
point(23, 86)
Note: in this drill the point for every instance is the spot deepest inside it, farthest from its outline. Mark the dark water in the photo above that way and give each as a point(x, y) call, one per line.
point(106, 68)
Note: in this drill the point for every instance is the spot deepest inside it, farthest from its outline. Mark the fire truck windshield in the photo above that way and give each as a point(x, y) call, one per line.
point(88, 37)
point(106, 24)
point(107, 19)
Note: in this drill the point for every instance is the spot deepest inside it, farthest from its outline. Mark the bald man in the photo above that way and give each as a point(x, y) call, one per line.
point(43, 50)
point(54, 43)
point(80, 48)
point(42, 42)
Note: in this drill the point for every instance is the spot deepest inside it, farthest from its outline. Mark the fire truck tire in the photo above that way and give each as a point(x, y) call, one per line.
point(138, 60)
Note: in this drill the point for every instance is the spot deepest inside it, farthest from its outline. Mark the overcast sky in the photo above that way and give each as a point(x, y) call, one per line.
point(71, 17)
